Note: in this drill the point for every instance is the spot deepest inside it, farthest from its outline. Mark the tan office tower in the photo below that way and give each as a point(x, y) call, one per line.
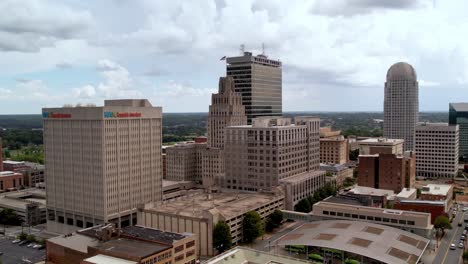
point(259, 80)
point(226, 109)
point(101, 163)
point(258, 156)
point(333, 147)
point(401, 104)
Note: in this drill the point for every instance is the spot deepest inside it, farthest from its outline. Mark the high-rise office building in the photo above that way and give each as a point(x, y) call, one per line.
point(259, 80)
point(401, 104)
point(333, 147)
point(458, 115)
point(226, 109)
point(101, 163)
point(437, 150)
point(258, 156)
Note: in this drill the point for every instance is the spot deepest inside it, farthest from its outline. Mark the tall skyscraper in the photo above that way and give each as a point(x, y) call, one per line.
point(101, 163)
point(458, 115)
point(259, 80)
point(401, 104)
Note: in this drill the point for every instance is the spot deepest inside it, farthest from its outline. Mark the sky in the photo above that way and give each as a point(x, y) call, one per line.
point(335, 53)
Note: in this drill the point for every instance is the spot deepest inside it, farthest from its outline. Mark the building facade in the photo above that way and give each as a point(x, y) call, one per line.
point(437, 150)
point(458, 115)
point(259, 80)
point(333, 147)
point(10, 180)
point(301, 186)
point(101, 162)
point(199, 212)
point(337, 173)
point(226, 109)
point(269, 150)
point(184, 161)
point(401, 103)
point(371, 146)
point(386, 171)
point(1, 155)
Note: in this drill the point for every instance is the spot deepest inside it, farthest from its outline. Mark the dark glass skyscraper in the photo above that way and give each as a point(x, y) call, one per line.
point(458, 115)
point(259, 80)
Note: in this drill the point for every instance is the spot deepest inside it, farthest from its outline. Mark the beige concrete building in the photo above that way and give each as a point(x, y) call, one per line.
point(184, 161)
point(338, 172)
point(437, 150)
point(401, 103)
point(333, 147)
point(259, 80)
point(226, 110)
point(101, 162)
point(199, 212)
point(213, 168)
point(373, 146)
point(301, 186)
point(269, 150)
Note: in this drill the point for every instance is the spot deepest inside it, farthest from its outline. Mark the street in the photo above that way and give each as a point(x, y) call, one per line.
point(445, 254)
point(263, 245)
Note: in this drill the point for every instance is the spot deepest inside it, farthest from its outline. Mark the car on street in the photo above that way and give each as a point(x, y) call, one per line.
point(24, 242)
point(36, 246)
point(460, 245)
point(30, 245)
point(452, 246)
point(16, 241)
point(464, 232)
point(465, 209)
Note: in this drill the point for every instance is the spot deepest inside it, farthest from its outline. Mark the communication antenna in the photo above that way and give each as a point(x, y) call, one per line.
point(242, 49)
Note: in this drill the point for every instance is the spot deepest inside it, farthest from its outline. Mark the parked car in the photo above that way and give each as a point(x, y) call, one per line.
point(15, 241)
point(465, 209)
point(464, 232)
point(37, 246)
point(30, 245)
point(452, 246)
point(460, 245)
point(24, 242)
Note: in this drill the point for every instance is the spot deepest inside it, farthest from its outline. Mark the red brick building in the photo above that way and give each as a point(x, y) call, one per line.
point(435, 208)
point(10, 180)
point(386, 171)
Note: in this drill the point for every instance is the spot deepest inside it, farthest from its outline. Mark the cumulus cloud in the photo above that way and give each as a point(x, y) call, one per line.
point(87, 92)
point(176, 89)
point(32, 25)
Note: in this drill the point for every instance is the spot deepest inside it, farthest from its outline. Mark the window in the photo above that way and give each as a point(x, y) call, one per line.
point(362, 217)
point(190, 244)
point(339, 214)
point(326, 212)
point(394, 221)
point(402, 222)
point(378, 219)
point(179, 248)
point(386, 220)
point(332, 213)
point(354, 216)
point(410, 222)
point(370, 218)
point(347, 215)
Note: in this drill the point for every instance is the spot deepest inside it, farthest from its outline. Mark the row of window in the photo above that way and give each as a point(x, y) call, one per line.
point(370, 218)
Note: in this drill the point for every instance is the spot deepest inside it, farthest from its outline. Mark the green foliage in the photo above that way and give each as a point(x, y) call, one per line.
point(353, 154)
point(22, 236)
point(305, 205)
point(41, 242)
point(418, 193)
point(274, 220)
point(351, 261)
point(9, 217)
point(222, 239)
point(18, 138)
point(31, 238)
point(252, 226)
point(465, 256)
point(29, 153)
point(442, 222)
point(349, 182)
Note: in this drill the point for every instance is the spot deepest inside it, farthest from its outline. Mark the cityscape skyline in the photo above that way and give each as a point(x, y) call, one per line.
point(86, 55)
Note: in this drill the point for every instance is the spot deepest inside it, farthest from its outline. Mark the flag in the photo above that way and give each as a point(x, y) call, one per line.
point(223, 58)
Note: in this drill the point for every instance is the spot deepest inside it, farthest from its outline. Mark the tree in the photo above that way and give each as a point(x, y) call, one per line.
point(274, 220)
point(349, 182)
point(418, 193)
point(222, 239)
point(303, 206)
point(9, 217)
point(465, 256)
point(252, 226)
point(22, 236)
point(441, 223)
point(353, 154)
point(31, 238)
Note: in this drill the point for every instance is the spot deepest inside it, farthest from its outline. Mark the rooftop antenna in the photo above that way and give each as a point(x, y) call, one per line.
point(242, 49)
point(263, 48)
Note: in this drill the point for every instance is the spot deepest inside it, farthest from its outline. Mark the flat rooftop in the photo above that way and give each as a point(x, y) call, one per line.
point(383, 243)
point(75, 241)
point(250, 256)
point(303, 176)
point(103, 259)
point(12, 162)
point(333, 167)
point(371, 191)
point(152, 234)
point(130, 247)
point(462, 107)
point(436, 189)
point(8, 173)
point(381, 141)
point(227, 203)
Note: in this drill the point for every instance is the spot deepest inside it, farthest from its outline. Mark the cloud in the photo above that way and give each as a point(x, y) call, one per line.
point(64, 65)
point(86, 92)
point(176, 89)
point(423, 83)
point(359, 7)
point(28, 27)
